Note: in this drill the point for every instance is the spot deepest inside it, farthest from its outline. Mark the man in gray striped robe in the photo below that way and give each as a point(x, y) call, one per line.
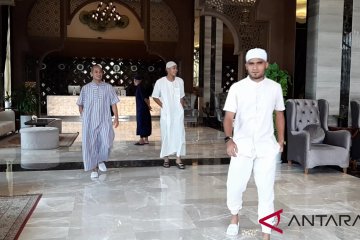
point(97, 132)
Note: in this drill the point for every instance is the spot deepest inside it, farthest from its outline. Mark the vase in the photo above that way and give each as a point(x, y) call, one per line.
point(7, 104)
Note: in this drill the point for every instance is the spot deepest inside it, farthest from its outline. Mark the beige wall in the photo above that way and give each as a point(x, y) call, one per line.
point(133, 31)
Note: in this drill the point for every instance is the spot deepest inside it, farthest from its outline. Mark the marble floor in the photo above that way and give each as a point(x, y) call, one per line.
point(157, 203)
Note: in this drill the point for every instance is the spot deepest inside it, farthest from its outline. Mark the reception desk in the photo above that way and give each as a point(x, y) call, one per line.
point(58, 105)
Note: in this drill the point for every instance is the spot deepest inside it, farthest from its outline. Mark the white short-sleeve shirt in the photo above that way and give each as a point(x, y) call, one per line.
point(253, 104)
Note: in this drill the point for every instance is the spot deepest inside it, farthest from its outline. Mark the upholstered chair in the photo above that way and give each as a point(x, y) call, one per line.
point(355, 112)
point(220, 99)
point(355, 124)
point(191, 114)
point(309, 141)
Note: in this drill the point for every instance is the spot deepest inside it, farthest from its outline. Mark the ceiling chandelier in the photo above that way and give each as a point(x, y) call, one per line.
point(106, 13)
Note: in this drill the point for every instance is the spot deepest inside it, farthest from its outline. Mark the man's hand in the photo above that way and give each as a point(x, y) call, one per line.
point(231, 148)
point(116, 122)
point(281, 144)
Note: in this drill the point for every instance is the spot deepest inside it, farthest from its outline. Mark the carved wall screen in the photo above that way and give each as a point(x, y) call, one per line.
point(58, 72)
point(74, 4)
point(163, 24)
point(241, 15)
point(135, 5)
point(44, 19)
point(229, 75)
point(253, 35)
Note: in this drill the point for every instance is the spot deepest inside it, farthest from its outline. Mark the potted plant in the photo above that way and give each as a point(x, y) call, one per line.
point(283, 78)
point(280, 76)
point(26, 98)
point(7, 100)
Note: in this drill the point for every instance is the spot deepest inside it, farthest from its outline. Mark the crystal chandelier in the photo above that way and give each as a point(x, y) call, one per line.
point(106, 13)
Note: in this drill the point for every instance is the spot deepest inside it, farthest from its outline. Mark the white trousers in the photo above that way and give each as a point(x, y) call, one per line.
point(238, 176)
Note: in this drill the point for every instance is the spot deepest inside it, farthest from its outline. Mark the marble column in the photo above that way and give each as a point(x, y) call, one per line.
point(324, 49)
point(218, 56)
point(217, 64)
point(355, 53)
point(207, 58)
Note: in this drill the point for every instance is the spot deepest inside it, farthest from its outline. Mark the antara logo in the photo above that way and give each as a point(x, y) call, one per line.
point(325, 220)
point(311, 220)
point(274, 227)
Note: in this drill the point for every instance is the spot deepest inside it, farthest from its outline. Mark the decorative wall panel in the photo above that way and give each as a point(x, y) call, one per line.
point(229, 75)
point(57, 73)
point(74, 4)
point(135, 5)
point(253, 35)
point(44, 19)
point(163, 24)
point(241, 15)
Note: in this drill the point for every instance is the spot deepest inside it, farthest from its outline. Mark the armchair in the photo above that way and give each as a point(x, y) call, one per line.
point(7, 122)
point(191, 114)
point(309, 141)
point(220, 99)
point(355, 113)
point(355, 125)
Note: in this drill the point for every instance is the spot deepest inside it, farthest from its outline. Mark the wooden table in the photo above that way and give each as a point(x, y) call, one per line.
point(39, 122)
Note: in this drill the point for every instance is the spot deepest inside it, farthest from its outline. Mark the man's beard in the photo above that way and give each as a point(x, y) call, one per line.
point(257, 76)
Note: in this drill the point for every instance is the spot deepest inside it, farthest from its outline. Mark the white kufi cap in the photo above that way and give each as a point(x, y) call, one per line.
point(170, 64)
point(256, 53)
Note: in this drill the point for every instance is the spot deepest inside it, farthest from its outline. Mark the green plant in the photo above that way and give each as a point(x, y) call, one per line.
point(7, 97)
point(26, 99)
point(280, 76)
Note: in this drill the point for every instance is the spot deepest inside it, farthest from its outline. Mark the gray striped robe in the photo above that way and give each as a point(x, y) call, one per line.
point(97, 131)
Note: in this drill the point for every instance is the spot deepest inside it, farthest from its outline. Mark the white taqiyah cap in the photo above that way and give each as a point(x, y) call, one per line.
point(256, 53)
point(170, 64)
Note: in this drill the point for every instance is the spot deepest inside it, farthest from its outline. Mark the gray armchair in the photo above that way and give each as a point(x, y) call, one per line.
point(355, 113)
point(309, 141)
point(355, 126)
point(220, 99)
point(191, 114)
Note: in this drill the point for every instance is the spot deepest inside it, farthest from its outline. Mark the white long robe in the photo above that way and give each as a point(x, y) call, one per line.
point(171, 116)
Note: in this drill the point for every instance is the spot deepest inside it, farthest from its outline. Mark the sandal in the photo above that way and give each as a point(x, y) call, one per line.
point(138, 143)
point(180, 165)
point(166, 164)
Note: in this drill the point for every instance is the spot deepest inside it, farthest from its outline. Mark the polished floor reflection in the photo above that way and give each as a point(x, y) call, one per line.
point(158, 203)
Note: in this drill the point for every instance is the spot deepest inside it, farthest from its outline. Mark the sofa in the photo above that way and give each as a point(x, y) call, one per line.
point(7, 122)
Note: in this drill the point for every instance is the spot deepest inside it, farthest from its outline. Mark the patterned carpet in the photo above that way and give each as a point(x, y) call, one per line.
point(15, 211)
point(13, 141)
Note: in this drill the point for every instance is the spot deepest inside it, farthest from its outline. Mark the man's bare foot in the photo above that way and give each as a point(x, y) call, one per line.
point(179, 163)
point(266, 236)
point(234, 219)
point(166, 163)
point(233, 228)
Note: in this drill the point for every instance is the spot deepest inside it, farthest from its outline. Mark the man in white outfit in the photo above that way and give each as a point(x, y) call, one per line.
point(251, 142)
point(168, 93)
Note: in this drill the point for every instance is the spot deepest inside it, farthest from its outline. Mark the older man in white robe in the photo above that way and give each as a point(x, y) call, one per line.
point(168, 93)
